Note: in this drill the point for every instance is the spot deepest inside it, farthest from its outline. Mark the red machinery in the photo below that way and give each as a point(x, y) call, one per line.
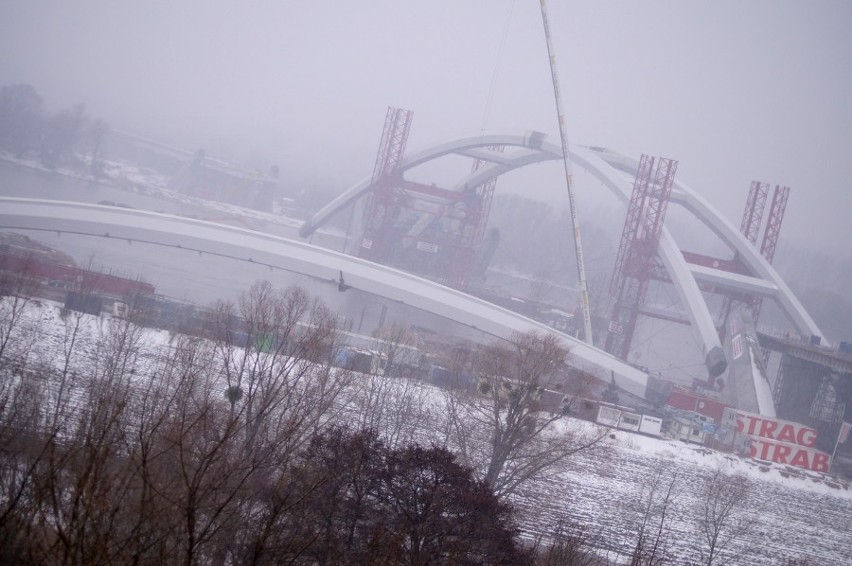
point(425, 229)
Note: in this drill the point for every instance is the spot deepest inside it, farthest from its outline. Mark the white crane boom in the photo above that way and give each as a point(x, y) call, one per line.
point(566, 162)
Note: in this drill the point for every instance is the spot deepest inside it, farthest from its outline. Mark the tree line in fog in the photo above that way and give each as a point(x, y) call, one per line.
point(67, 137)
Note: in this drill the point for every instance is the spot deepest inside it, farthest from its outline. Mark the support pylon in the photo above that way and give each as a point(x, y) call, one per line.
point(382, 204)
point(472, 230)
point(637, 250)
point(770, 236)
point(750, 228)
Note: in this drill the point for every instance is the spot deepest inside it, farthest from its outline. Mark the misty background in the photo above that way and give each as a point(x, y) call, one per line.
point(736, 91)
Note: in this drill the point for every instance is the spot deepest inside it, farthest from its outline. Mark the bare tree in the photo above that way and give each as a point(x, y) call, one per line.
point(81, 482)
point(206, 464)
point(95, 135)
point(21, 405)
point(61, 135)
point(501, 428)
point(397, 409)
point(120, 449)
point(21, 117)
point(23, 392)
point(284, 367)
point(569, 544)
point(724, 512)
point(653, 513)
point(395, 346)
point(16, 288)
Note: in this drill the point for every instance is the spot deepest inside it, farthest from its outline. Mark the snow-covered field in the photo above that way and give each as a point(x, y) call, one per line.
point(804, 515)
point(791, 515)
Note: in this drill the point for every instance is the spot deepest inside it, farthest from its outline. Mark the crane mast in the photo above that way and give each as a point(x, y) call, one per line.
point(566, 162)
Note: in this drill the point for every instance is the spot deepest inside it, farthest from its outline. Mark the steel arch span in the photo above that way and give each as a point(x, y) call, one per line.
point(334, 268)
point(615, 172)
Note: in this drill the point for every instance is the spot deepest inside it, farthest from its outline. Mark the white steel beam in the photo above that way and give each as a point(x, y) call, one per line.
point(319, 263)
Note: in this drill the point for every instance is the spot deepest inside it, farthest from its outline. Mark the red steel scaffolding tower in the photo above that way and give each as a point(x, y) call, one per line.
point(384, 200)
point(770, 235)
point(750, 228)
point(477, 207)
point(773, 225)
point(753, 214)
point(426, 229)
point(637, 250)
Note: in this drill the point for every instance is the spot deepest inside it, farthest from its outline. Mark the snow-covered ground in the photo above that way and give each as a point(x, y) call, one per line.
point(792, 514)
point(795, 514)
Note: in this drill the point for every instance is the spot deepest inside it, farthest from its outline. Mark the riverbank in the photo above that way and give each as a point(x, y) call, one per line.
point(135, 181)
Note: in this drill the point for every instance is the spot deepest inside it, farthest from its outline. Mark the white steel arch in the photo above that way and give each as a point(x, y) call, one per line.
point(615, 172)
point(337, 269)
point(767, 281)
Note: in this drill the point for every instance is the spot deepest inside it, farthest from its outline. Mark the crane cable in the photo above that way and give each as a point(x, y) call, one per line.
point(500, 51)
point(566, 162)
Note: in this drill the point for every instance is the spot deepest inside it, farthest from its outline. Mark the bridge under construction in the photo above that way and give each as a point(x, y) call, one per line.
point(401, 219)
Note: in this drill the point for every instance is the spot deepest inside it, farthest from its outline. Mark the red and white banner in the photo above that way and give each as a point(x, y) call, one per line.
point(789, 453)
point(775, 429)
point(782, 442)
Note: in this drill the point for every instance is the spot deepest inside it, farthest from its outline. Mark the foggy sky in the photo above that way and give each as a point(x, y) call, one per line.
point(734, 90)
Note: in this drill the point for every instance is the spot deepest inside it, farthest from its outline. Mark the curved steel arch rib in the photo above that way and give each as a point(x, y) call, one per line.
point(773, 285)
point(609, 168)
point(502, 163)
point(299, 257)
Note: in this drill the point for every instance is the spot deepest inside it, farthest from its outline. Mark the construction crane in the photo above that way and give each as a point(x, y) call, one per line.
point(566, 162)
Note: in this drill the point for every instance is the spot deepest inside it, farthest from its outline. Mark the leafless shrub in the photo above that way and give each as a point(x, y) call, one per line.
point(724, 513)
point(397, 409)
point(653, 513)
point(279, 368)
point(569, 544)
point(395, 346)
point(17, 332)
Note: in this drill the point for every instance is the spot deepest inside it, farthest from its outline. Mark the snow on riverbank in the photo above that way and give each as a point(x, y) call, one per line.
point(793, 514)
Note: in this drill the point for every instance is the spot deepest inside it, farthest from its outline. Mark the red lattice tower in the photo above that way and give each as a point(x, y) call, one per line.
point(773, 224)
point(753, 213)
point(383, 200)
point(770, 236)
point(477, 205)
point(636, 260)
point(750, 228)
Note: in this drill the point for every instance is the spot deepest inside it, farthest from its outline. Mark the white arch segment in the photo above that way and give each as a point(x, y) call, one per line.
point(710, 217)
point(701, 321)
point(610, 168)
point(299, 257)
point(500, 163)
